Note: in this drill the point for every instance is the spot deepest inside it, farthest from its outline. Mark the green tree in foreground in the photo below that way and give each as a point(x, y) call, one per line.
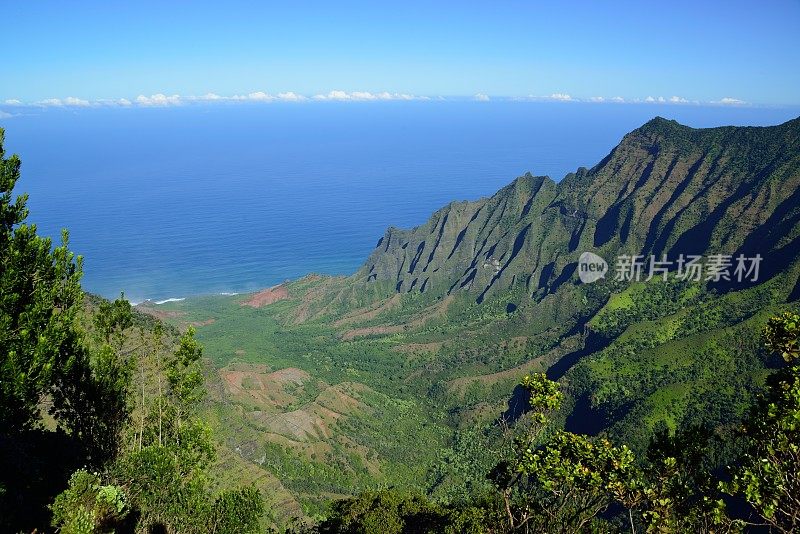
point(395, 512)
point(161, 476)
point(677, 492)
point(565, 483)
point(87, 506)
point(40, 297)
point(40, 301)
point(769, 474)
point(91, 402)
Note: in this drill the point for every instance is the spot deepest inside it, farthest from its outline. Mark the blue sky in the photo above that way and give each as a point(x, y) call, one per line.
point(694, 51)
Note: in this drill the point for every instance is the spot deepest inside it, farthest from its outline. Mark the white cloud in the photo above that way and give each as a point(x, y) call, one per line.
point(400, 96)
point(259, 96)
point(728, 101)
point(560, 97)
point(360, 95)
point(365, 96)
point(50, 102)
point(123, 102)
point(69, 101)
point(291, 96)
point(4, 115)
point(163, 100)
point(333, 95)
point(256, 96)
point(403, 96)
point(77, 102)
point(158, 99)
point(212, 97)
point(614, 99)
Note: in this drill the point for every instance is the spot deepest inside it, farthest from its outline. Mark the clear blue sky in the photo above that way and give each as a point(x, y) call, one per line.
point(697, 50)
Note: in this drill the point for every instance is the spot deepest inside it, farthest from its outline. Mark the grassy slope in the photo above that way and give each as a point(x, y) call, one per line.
point(365, 424)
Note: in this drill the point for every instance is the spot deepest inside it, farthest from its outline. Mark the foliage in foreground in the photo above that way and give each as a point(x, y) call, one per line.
point(769, 474)
point(560, 482)
point(133, 442)
point(158, 479)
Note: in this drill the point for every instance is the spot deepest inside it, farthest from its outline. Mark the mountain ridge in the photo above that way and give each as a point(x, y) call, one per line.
point(665, 188)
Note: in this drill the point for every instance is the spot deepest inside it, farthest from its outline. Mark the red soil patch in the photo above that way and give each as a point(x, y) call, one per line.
point(290, 374)
point(260, 380)
point(267, 296)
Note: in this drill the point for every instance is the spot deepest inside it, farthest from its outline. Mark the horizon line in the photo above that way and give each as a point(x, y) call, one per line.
point(161, 100)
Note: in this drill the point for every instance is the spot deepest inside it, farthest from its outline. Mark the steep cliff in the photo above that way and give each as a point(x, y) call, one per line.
point(665, 189)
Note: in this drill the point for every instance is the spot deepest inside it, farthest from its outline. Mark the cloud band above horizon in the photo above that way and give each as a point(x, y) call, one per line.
point(164, 100)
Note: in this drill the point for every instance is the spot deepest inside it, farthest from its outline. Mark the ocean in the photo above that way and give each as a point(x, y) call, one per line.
point(165, 203)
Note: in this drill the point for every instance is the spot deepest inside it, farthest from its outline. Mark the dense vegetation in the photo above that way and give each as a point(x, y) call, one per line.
point(558, 481)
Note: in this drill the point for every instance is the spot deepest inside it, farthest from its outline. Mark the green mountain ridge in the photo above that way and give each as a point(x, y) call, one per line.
point(665, 189)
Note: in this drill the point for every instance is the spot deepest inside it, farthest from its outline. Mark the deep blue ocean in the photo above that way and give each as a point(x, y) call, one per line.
point(171, 202)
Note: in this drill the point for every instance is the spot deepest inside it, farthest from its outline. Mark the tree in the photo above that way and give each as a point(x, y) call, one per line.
point(40, 296)
point(396, 512)
point(88, 506)
point(185, 375)
point(544, 397)
point(90, 400)
point(677, 492)
point(162, 477)
point(565, 483)
point(44, 355)
point(40, 299)
point(112, 319)
point(769, 474)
